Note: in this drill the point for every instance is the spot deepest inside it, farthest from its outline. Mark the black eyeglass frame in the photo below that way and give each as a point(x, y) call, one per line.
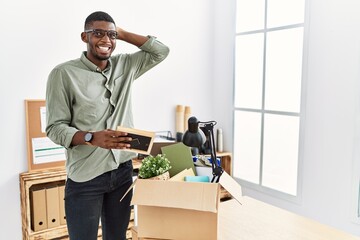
point(110, 33)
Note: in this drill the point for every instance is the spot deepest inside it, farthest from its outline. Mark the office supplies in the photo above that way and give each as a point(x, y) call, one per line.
point(193, 137)
point(52, 206)
point(179, 156)
point(187, 115)
point(38, 209)
point(62, 215)
point(197, 179)
point(181, 175)
point(179, 119)
point(219, 141)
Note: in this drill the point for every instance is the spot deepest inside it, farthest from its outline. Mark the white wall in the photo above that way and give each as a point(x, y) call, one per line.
point(331, 117)
point(39, 34)
point(36, 35)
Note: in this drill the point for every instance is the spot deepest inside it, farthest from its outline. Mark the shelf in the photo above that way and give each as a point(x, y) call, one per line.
point(29, 179)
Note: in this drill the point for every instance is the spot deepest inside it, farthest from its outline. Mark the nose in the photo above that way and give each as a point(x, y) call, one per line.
point(107, 38)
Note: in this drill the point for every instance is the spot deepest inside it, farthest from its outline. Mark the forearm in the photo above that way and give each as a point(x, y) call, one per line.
point(108, 139)
point(78, 138)
point(132, 38)
point(61, 134)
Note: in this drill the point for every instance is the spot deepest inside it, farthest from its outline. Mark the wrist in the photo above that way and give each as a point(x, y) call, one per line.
point(88, 138)
point(120, 34)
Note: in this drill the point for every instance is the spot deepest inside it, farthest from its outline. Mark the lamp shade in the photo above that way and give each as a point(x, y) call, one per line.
point(194, 136)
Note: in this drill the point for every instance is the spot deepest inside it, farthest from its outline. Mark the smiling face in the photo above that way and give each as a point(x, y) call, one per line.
point(99, 46)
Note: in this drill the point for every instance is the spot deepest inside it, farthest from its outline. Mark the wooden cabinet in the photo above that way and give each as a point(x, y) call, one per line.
point(45, 178)
point(226, 163)
point(33, 179)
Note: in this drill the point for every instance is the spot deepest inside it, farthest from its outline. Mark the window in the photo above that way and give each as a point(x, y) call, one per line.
point(355, 202)
point(267, 95)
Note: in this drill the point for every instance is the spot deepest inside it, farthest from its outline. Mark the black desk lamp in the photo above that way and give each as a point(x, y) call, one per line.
point(194, 137)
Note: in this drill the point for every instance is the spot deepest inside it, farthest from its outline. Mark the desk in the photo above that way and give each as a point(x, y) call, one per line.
point(255, 220)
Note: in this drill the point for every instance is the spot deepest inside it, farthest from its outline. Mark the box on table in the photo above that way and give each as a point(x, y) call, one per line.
point(180, 210)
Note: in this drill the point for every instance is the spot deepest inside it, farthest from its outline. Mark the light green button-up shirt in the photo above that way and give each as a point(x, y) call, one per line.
point(80, 96)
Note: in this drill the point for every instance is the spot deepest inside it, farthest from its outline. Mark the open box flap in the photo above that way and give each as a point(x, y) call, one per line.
point(185, 195)
point(231, 186)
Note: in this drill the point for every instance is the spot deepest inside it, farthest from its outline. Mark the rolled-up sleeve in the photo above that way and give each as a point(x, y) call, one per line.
point(58, 111)
point(157, 49)
point(154, 51)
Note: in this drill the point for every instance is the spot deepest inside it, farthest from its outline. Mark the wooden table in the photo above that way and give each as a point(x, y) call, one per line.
point(255, 220)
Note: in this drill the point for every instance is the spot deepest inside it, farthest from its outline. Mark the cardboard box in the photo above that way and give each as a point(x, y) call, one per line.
point(180, 210)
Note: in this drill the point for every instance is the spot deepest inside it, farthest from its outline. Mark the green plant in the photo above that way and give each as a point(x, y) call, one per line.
point(153, 166)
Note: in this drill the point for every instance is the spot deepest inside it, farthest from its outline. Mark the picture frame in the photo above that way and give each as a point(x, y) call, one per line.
point(142, 141)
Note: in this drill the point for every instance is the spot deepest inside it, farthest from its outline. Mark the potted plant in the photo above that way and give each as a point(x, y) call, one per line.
point(155, 167)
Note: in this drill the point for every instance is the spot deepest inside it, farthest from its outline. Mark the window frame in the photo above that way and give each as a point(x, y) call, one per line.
point(259, 187)
point(355, 186)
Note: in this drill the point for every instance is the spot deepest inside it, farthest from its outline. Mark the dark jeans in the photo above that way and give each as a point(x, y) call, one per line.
point(87, 202)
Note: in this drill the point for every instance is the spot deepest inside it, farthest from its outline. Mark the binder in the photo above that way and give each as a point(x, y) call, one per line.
point(62, 204)
point(52, 207)
point(38, 210)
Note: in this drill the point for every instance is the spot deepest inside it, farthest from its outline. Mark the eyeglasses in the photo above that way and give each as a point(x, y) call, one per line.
point(100, 33)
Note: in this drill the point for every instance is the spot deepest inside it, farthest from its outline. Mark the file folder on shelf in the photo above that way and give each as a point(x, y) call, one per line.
point(52, 206)
point(38, 210)
point(62, 205)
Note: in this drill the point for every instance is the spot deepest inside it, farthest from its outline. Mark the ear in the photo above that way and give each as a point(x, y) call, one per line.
point(84, 37)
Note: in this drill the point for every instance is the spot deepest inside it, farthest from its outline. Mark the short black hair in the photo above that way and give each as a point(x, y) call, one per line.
point(98, 16)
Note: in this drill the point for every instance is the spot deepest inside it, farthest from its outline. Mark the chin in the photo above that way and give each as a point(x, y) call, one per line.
point(102, 58)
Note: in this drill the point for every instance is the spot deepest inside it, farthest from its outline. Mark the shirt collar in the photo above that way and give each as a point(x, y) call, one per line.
point(91, 65)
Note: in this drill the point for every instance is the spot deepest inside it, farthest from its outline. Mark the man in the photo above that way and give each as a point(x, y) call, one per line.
point(86, 99)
